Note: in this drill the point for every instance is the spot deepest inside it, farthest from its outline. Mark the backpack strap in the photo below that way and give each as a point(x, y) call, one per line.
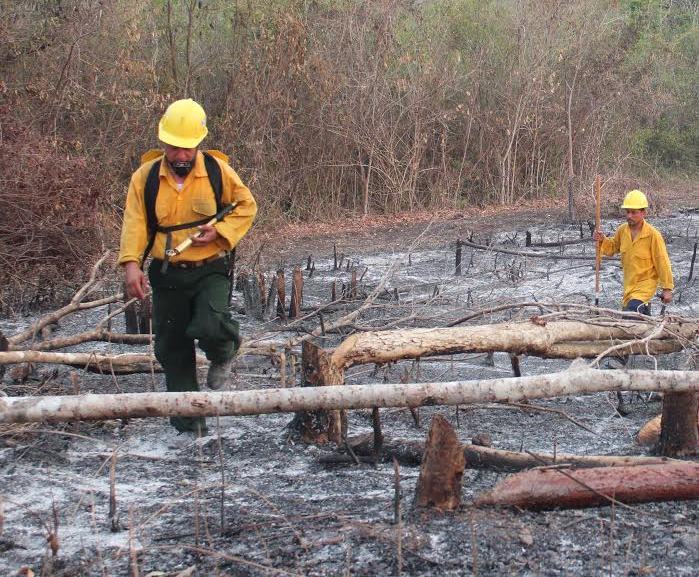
point(150, 194)
point(213, 170)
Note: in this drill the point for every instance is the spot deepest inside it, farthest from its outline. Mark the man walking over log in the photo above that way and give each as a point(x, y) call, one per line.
point(644, 258)
point(645, 263)
point(173, 197)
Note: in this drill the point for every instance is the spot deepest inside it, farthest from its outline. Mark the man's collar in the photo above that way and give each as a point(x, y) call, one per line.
point(199, 169)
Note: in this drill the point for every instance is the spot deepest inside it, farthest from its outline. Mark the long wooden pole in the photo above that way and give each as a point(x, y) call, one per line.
point(598, 247)
point(337, 397)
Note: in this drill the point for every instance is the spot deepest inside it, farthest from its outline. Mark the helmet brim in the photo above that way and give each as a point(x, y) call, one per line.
point(179, 141)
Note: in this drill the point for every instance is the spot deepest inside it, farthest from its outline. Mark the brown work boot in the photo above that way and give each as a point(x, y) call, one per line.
point(218, 373)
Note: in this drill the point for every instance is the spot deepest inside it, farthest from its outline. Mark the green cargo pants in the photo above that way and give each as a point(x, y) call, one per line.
point(191, 304)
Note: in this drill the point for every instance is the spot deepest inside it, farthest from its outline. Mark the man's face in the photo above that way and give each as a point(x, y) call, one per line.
point(181, 159)
point(635, 216)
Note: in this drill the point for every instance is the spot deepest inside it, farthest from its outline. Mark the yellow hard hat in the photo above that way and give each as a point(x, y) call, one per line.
point(183, 124)
point(635, 200)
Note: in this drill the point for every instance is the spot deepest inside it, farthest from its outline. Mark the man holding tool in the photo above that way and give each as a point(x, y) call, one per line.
point(644, 258)
point(190, 209)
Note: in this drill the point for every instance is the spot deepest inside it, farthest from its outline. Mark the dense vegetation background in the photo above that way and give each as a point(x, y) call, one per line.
point(333, 106)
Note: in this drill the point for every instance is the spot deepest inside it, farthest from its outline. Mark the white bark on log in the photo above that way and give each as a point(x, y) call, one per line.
point(86, 407)
point(519, 338)
point(87, 336)
point(119, 364)
point(573, 488)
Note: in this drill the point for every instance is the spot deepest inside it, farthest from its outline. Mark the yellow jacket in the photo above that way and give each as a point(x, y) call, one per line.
point(193, 202)
point(645, 261)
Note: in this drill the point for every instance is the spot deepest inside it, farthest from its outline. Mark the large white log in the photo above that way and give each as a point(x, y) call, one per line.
point(531, 337)
point(87, 407)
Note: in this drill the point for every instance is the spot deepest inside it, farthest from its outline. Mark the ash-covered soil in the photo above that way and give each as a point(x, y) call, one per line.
point(250, 500)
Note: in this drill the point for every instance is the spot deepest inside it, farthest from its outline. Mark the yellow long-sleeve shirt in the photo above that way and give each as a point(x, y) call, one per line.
point(644, 260)
point(191, 201)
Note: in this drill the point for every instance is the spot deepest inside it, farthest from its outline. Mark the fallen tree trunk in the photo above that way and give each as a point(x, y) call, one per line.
point(255, 402)
point(575, 488)
point(84, 337)
point(524, 253)
point(537, 338)
point(410, 453)
point(93, 362)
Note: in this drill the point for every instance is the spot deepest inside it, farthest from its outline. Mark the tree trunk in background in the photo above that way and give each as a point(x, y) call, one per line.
point(679, 434)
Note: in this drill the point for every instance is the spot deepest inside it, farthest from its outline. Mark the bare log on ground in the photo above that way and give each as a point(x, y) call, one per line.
point(576, 488)
point(650, 432)
point(410, 453)
point(537, 339)
point(93, 362)
point(336, 397)
point(439, 483)
point(84, 337)
point(550, 255)
point(679, 431)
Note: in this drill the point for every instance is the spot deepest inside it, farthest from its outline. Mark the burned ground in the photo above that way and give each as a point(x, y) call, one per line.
point(250, 500)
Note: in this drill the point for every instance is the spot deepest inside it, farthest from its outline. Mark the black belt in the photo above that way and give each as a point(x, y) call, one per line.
point(191, 264)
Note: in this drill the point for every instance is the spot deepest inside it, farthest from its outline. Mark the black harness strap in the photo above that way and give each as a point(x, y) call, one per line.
point(150, 195)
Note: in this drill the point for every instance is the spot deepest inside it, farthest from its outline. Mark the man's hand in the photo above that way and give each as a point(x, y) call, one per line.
point(598, 236)
point(207, 234)
point(135, 281)
point(666, 296)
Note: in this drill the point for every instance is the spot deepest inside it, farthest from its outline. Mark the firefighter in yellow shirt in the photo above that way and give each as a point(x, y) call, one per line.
point(644, 258)
point(174, 193)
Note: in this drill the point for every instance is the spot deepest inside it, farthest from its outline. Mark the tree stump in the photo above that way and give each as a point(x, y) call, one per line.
point(137, 316)
point(281, 294)
point(3, 347)
point(251, 294)
point(322, 426)
point(439, 484)
point(271, 300)
point(296, 294)
point(679, 435)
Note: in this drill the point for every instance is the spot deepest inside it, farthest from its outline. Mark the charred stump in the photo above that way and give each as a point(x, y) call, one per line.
point(281, 294)
point(679, 435)
point(439, 483)
point(252, 296)
point(296, 294)
point(321, 426)
point(137, 316)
